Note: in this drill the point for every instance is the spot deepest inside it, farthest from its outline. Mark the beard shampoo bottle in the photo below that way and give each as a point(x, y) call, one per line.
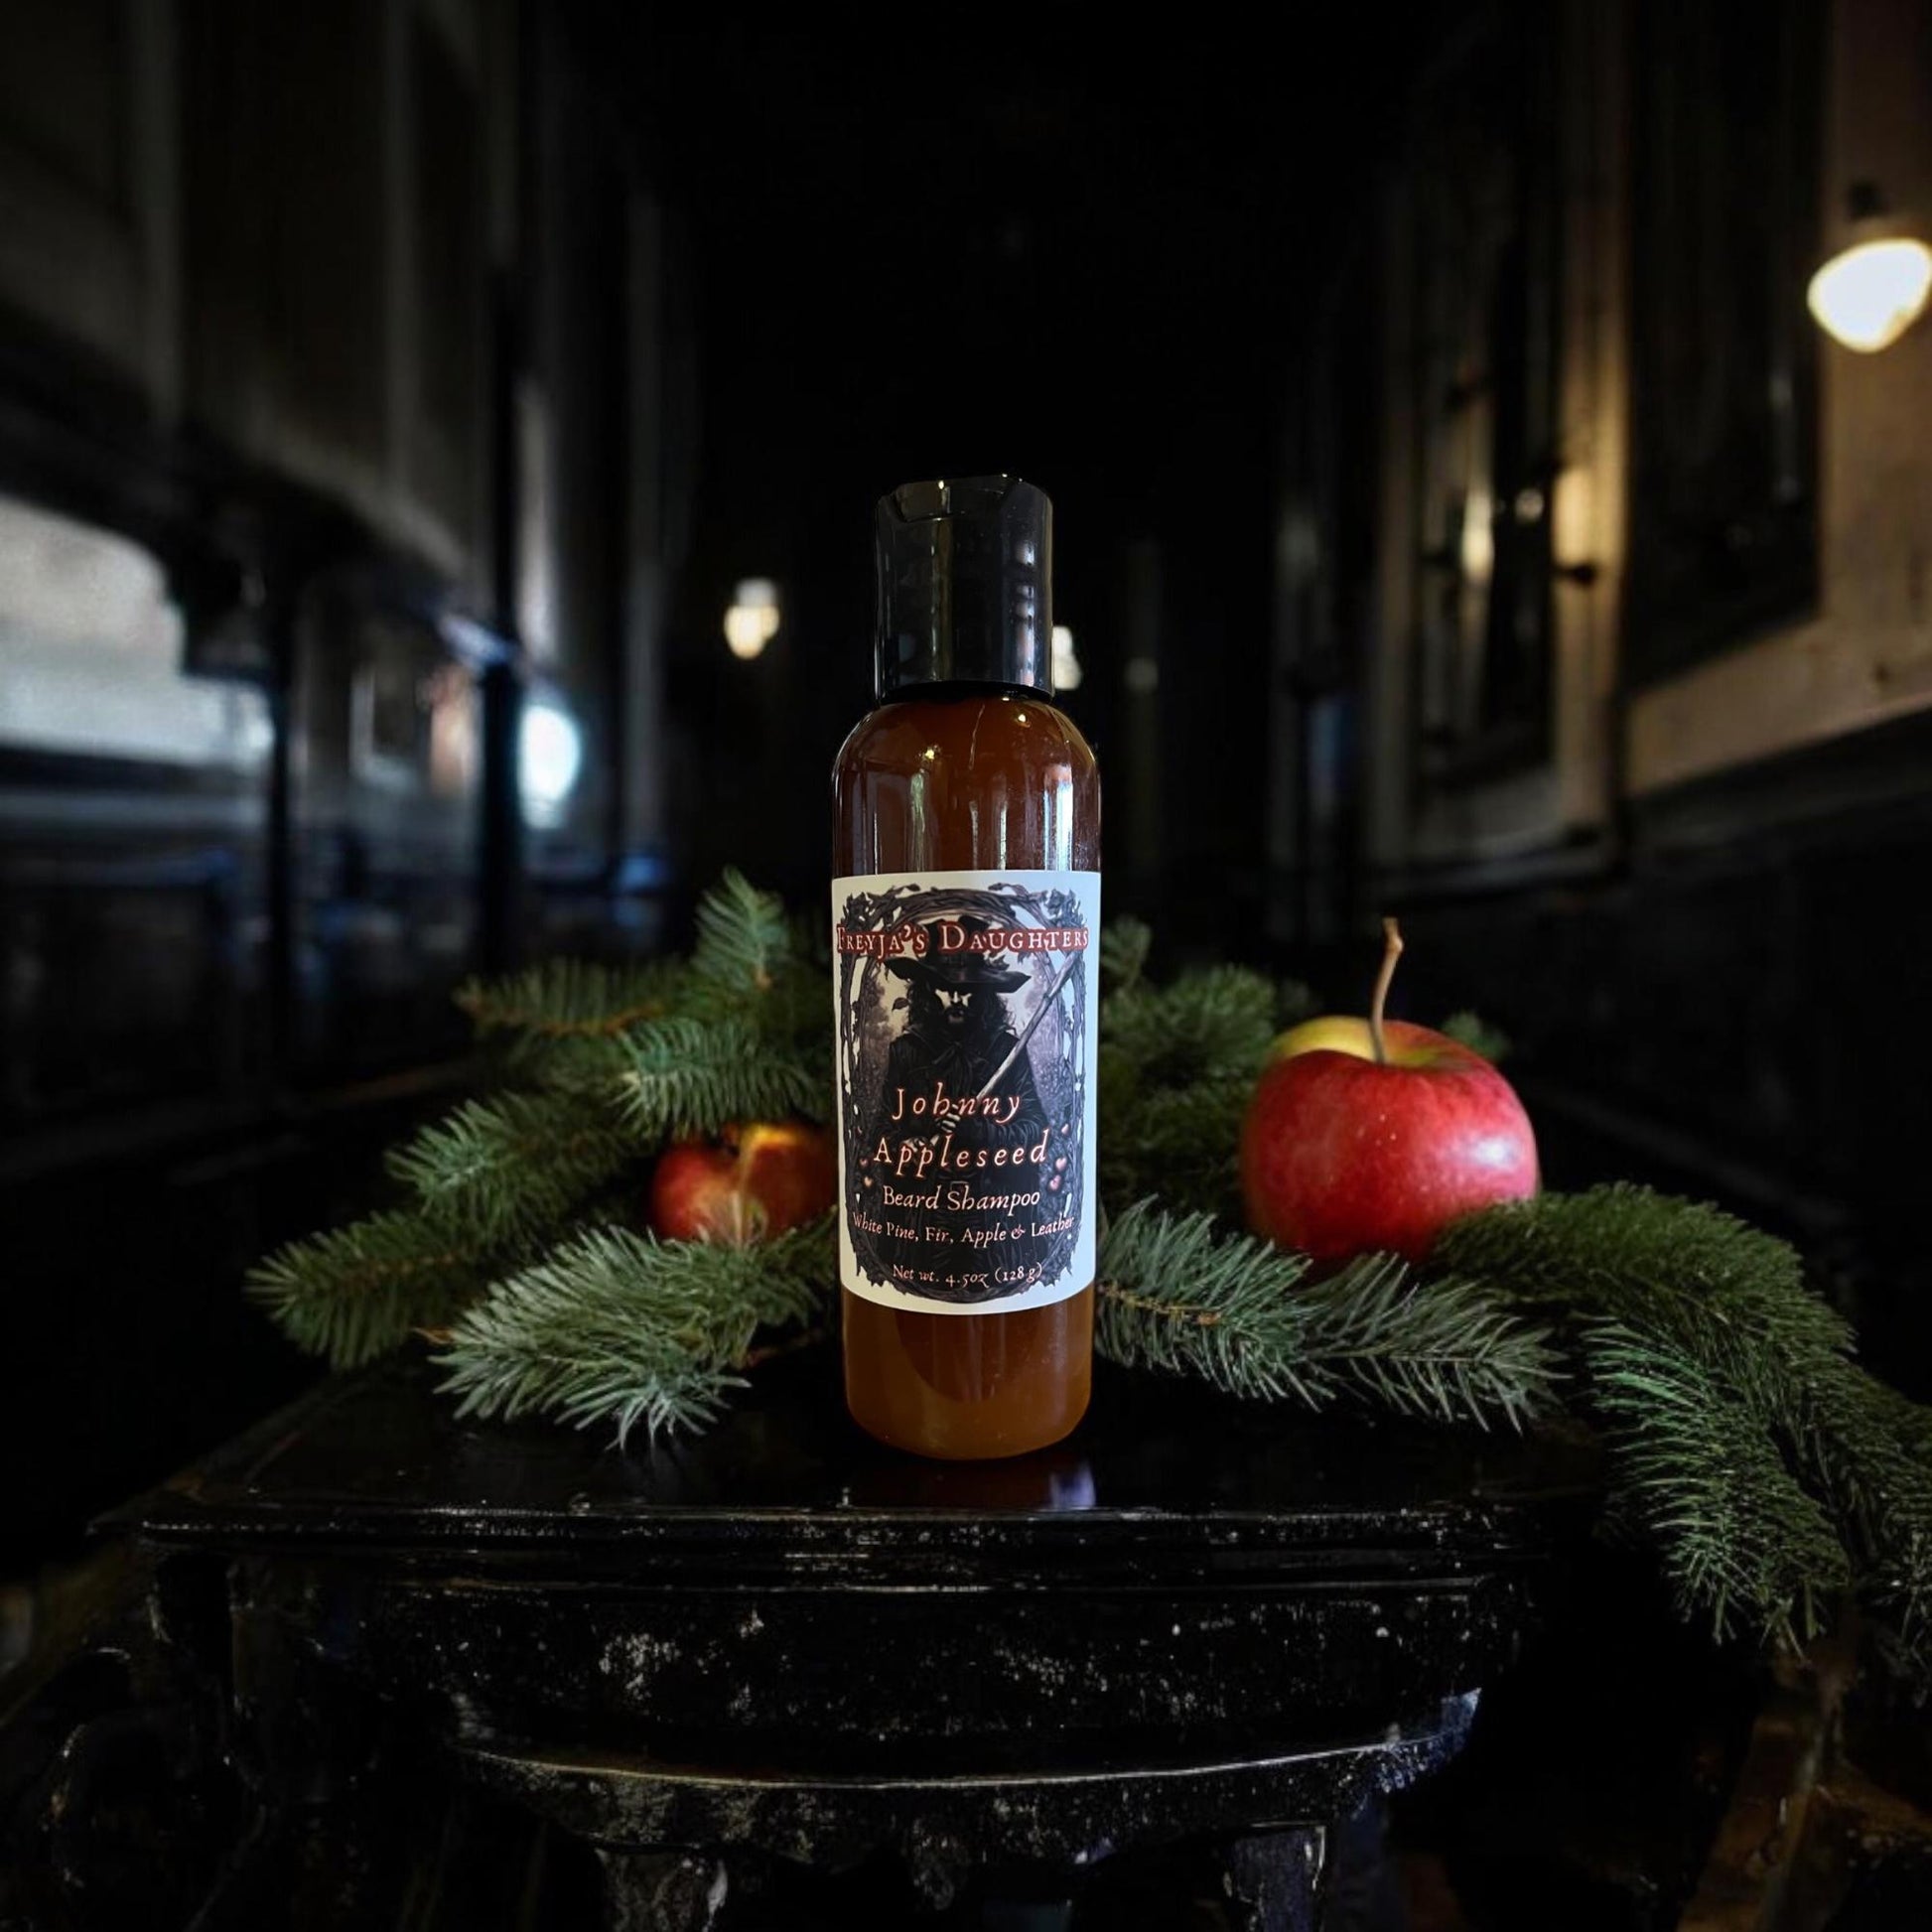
point(965, 943)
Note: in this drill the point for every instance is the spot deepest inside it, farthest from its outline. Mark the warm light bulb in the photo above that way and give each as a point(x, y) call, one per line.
point(1066, 661)
point(550, 756)
point(745, 630)
point(752, 621)
point(1479, 536)
point(1869, 295)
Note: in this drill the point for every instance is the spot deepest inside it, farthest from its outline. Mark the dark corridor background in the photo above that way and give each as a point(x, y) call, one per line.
point(394, 394)
point(953, 248)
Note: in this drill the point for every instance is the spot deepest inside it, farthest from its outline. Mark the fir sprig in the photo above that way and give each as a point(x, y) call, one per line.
point(1741, 1544)
point(616, 1061)
point(1727, 1293)
point(1175, 1295)
point(570, 999)
point(1217, 1019)
point(1709, 1308)
point(356, 1292)
point(745, 941)
point(679, 1078)
point(1177, 1066)
point(752, 964)
point(1124, 947)
point(1433, 1345)
point(515, 1167)
point(1470, 1030)
point(1865, 1448)
point(621, 1329)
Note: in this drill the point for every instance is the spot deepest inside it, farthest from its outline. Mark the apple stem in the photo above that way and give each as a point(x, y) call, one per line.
point(1391, 952)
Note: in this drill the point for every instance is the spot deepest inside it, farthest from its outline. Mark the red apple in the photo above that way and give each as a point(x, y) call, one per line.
point(748, 1185)
point(1371, 1136)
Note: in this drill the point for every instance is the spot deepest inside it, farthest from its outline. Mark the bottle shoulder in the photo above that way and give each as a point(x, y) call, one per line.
point(993, 728)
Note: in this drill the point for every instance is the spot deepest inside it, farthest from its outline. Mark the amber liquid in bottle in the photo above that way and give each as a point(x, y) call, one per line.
point(966, 765)
point(967, 778)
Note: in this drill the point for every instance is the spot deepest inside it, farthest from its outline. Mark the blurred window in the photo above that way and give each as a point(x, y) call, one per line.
point(90, 654)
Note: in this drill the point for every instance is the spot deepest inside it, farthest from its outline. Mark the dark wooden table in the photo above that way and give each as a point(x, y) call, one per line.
point(782, 1648)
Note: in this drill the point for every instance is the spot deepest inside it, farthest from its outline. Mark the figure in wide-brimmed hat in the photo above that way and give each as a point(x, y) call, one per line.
point(962, 970)
point(958, 1029)
point(958, 1037)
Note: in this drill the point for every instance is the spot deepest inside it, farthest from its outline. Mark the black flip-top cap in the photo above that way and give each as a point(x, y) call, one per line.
point(965, 584)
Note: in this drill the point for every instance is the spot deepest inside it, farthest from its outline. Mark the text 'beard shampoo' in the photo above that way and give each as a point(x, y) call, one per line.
point(966, 976)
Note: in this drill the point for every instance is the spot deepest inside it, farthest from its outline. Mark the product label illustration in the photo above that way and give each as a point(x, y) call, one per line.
point(967, 1014)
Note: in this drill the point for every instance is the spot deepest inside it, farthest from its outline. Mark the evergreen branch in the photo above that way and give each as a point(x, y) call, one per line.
point(572, 998)
point(1729, 1294)
point(808, 937)
point(1884, 1465)
point(1722, 1310)
point(1436, 1346)
point(1213, 1021)
point(1241, 1315)
point(589, 1068)
point(744, 938)
point(1910, 1422)
point(1180, 1142)
point(755, 963)
point(1470, 1030)
point(512, 1168)
point(623, 1328)
point(356, 1292)
point(692, 1076)
point(1124, 947)
point(1177, 1069)
point(1864, 1446)
point(1174, 1295)
point(1697, 1474)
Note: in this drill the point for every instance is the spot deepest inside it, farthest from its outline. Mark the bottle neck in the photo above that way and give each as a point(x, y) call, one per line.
point(965, 586)
point(899, 674)
point(964, 691)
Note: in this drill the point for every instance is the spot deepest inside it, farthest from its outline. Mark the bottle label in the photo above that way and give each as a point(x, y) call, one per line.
point(967, 1014)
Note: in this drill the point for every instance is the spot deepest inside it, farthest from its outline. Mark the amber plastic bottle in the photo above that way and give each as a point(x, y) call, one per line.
point(966, 766)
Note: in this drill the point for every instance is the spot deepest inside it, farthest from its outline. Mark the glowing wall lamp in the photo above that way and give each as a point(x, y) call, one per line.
point(549, 760)
point(1066, 661)
point(752, 621)
point(1875, 287)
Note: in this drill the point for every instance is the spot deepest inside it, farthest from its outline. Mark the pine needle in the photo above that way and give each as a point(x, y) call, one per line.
point(1242, 1315)
point(1217, 1020)
point(1866, 1449)
point(1742, 1546)
point(570, 999)
point(620, 1328)
point(745, 939)
point(691, 1076)
point(1436, 1346)
point(1180, 1142)
point(1470, 1030)
point(1174, 1295)
point(1124, 947)
point(752, 964)
point(1177, 1067)
point(356, 1292)
point(513, 1166)
point(1730, 1295)
point(1721, 1308)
